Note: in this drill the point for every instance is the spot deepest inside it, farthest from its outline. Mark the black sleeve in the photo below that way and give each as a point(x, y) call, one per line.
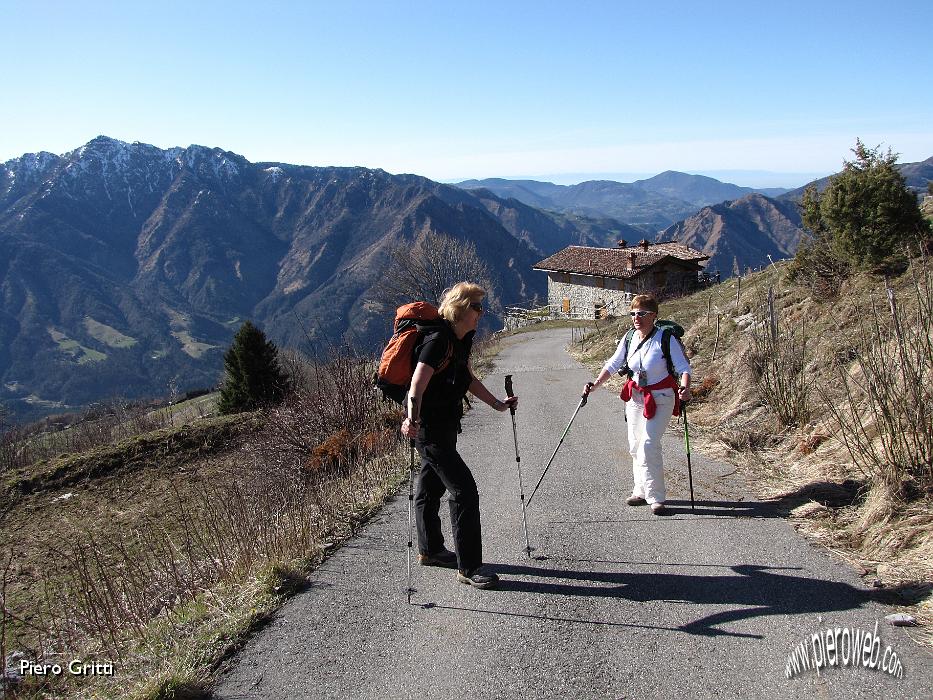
point(433, 351)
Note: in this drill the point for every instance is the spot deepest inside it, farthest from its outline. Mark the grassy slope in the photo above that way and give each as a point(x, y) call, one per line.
point(806, 468)
point(116, 489)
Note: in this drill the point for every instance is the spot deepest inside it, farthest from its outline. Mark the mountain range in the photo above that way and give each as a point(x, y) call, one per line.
point(125, 268)
point(649, 205)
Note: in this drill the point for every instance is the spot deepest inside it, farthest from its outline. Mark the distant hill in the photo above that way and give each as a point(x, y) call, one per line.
point(649, 205)
point(531, 192)
point(624, 202)
point(742, 233)
point(549, 231)
point(125, 269)
point(916, 174)
point(699, 189)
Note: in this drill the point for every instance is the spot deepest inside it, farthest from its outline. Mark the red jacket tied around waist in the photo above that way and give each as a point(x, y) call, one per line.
point(650, 406)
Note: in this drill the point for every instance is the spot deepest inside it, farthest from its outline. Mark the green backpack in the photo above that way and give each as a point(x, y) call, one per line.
point(669, 329)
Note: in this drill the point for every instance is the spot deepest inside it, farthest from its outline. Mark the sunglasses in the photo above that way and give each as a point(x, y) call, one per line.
point(477, 307)
point(640, 314)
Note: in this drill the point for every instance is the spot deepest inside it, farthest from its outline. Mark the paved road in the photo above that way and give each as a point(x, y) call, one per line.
point(618, 603)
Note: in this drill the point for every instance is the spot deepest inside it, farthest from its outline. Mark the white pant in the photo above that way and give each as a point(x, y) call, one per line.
point(644, 443)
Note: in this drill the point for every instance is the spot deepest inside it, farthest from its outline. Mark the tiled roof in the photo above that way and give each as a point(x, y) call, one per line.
point(677, 250)
point(616, 262)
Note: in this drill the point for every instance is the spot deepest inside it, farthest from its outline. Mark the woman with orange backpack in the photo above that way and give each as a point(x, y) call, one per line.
point(441, 379)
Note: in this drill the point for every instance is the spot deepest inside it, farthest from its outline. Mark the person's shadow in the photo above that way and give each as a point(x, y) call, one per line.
point(755, 592)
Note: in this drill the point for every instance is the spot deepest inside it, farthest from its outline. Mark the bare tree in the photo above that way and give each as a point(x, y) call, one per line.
point(423, 270)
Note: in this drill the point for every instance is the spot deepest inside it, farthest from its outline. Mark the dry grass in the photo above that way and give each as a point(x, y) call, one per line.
point(100, 425)
point(168, 571)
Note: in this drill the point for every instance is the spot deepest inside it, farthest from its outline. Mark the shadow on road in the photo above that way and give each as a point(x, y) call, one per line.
point(704, 508)
point(755, 592)
point(729, 509)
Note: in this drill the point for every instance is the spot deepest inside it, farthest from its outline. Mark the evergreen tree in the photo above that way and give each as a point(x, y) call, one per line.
point(867, 214)
point(253, 376)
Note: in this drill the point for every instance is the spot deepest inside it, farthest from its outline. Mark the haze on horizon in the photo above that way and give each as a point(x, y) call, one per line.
point(609, 90)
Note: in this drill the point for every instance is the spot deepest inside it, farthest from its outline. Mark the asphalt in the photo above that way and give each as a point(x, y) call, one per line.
point(613, 603)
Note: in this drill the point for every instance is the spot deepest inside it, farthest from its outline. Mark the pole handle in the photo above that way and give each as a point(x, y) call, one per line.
point(509, 392)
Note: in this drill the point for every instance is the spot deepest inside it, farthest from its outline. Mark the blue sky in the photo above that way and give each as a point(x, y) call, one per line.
point(560, 91)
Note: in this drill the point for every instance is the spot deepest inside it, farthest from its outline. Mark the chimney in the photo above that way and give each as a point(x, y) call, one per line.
point(644, 244)
point(623, 243)
point(630, 263)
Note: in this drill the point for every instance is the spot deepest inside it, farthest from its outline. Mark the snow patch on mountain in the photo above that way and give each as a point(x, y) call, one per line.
point(28, 168)
point(220, 164)
point(275, 173)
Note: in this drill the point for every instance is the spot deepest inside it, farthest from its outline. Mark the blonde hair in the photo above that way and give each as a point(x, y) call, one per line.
point(457, 299)
point(646, 302)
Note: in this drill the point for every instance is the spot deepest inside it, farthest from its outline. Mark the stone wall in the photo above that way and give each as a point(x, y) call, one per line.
point(584, 295)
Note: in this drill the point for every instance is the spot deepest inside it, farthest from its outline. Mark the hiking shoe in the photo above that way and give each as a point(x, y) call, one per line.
point(635, 501)
point(478, 580)
point(444, 558)
point(659, 509)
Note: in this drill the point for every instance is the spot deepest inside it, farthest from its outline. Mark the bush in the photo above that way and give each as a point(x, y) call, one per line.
point(866, 217)
point(778, 362)
point(886, 419)
point(702, 392)
point(817, 268)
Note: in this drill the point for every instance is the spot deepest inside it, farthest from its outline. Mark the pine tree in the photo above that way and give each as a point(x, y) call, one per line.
point(253, 376)
point(867, 214)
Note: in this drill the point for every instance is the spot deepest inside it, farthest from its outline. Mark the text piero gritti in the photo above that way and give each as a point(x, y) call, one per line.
point(75, 667)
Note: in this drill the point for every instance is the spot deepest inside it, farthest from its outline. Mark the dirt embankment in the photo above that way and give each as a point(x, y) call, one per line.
point(167, 449)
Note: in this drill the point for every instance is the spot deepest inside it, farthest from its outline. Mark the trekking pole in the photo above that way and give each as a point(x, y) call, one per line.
point(683, 409)
point(411, 498)
point(518, 462)
point(551, 460)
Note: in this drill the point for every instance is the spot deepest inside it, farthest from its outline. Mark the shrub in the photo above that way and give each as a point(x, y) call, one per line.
point(701, 393)
point(866, 216)
point(886, 419)
point(778, 362)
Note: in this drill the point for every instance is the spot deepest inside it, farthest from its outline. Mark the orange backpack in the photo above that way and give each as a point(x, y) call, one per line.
point(412, 323)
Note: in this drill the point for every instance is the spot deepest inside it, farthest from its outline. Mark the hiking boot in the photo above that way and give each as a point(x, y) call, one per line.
point(477, 579)
point(659, 509)
point(635, 501)
point(444, 558)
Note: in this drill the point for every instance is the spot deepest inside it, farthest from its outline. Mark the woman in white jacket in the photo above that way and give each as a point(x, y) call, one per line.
point(652, 396)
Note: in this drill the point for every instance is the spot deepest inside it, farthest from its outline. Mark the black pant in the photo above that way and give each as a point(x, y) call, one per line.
point(442, 469)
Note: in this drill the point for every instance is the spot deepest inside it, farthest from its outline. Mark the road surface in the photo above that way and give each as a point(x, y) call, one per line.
point(615, 603)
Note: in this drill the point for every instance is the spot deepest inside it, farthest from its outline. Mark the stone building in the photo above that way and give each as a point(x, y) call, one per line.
point(583, 282)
